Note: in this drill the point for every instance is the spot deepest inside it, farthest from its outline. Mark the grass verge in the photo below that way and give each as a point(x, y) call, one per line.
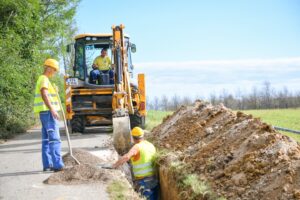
point(121, 190)
point(117, 190)
point(286, 118)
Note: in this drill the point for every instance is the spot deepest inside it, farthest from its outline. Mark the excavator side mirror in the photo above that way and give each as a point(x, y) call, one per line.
point(133, 48)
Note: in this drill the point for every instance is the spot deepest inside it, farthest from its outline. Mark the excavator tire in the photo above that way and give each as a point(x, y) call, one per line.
point(77, 124)
point(137, 120)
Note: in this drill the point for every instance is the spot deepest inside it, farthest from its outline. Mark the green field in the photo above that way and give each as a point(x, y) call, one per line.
point(286, 118)
point(155, 117)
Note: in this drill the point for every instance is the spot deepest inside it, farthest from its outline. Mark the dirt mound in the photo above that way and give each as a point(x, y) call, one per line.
point(83, 156)
point(86, 172)
point(78, 174)
point(216, 152)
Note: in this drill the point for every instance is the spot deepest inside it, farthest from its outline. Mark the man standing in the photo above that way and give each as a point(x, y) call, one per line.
point(102, 64)
point(142, 156)
point(46, 104)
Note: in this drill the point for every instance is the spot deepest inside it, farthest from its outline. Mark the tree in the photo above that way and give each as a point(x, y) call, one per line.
point(30, 32)
point(186, 101)
point(175, 102)
point(164, 102)
point(156, 103)
point(266, 94)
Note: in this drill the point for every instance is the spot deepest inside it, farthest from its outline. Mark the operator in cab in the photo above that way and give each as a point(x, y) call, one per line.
point(142, 157)
point(101, 64)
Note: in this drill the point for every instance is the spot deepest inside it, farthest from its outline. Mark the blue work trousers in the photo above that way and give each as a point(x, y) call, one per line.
point(148, 187)
point(51, 144)
point(95, 74)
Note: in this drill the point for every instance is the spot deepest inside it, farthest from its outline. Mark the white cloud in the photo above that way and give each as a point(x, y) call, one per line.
point(196, 78)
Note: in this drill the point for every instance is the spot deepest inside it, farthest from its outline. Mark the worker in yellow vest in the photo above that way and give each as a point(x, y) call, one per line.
point(46, 105)
point(142, 157)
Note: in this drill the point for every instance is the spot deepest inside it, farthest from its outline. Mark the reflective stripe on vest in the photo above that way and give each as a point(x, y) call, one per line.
point(49, 95)
point(143, 172)
point(143, 167)
point(42, 103)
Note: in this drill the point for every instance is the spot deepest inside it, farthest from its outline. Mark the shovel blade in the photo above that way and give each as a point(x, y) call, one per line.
point(121, 134)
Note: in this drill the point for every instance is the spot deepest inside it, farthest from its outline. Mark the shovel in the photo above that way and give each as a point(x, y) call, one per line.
point(105, 166)
point(66, 127)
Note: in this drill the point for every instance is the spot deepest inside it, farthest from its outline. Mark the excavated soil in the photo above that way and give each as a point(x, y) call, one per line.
point(238, 156)
point(82, 156)
point(86, 172)
point(78, 174)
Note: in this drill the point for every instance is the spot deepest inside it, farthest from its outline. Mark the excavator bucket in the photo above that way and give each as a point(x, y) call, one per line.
point(121, 134)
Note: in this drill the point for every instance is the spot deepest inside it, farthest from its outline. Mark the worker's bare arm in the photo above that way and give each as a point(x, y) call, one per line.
point(133, 151)
point(44, 93)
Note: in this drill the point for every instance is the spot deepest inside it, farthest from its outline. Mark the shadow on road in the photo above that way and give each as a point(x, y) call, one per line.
point(63, 149)
point(6, 146)
point(23, 173)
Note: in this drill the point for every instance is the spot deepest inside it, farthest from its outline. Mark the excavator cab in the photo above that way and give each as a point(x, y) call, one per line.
point(120, 102)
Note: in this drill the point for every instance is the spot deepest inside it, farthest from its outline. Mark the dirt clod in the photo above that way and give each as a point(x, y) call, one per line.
point(239, 156)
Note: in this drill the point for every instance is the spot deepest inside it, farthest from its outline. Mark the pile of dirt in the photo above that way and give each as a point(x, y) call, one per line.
point(78, 174)
point(232, 155)
point(86, 172)
point(82, 156)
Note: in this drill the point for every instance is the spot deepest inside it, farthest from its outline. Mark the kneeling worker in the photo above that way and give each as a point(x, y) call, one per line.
point(142, 156)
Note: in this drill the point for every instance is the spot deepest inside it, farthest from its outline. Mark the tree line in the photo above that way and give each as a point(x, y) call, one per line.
point(30, 32)
point(264, 97)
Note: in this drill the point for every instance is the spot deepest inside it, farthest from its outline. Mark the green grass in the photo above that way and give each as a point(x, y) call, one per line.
point(286, 118)
point(155, 117)
point(116, 190)
point(198, 187)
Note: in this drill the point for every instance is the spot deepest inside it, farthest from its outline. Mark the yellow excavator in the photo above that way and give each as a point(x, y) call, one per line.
point(120, 103)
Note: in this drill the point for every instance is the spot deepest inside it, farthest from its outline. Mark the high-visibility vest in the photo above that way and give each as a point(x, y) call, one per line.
point(144, 165)
point(39, 104)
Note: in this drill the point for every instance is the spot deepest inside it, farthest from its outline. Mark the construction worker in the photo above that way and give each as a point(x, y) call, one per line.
point(46, 105)
point(142, 157)
point(102, 64)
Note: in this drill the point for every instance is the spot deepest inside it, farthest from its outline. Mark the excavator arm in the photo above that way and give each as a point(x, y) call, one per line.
point(122, 98)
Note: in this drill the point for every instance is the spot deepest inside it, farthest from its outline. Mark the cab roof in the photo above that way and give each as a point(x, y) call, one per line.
point(95, 35)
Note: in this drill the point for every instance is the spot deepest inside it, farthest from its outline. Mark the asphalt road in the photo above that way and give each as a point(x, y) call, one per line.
point(21, 175)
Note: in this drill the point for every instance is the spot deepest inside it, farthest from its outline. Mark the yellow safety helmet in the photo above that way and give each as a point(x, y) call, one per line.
point(137, 132)
point(51, 63)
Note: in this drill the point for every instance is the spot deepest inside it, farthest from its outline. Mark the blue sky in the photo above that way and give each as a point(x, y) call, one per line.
point(205, 46)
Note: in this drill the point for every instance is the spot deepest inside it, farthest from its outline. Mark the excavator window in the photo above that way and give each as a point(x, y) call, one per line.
point(79, 61)
point(92, 51)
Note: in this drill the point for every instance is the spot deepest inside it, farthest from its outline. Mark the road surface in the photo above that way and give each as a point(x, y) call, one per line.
point(21, 175)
